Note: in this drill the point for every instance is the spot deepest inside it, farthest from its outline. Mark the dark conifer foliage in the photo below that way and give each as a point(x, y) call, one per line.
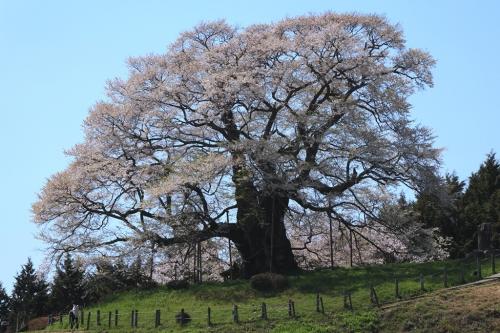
point(481, 202)
point(4, 305)
point(68, 286)
point(110, 277)
point(441, 209)
point(457, 210)
point(30, 295)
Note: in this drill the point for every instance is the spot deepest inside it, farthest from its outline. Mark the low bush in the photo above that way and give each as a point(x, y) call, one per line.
point(178, 284)
point(268, 282)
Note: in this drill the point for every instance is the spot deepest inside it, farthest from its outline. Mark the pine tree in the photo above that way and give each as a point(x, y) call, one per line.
point(481, 202)
point(68, 286)
point(4, 305)
point(30, 295)
point(440, 209)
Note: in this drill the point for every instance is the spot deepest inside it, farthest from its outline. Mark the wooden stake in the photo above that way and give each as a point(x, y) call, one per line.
point(263, 311)
point(235, 314)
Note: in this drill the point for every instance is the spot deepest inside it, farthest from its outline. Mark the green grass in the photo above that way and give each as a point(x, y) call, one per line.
point(330, 284)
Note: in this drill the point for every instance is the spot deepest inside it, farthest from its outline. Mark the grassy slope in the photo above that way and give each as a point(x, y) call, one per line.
point(472, 309)
point(330, 284)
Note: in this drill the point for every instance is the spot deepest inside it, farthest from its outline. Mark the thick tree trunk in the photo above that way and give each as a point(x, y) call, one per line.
point(261, 238)
point(260, 234)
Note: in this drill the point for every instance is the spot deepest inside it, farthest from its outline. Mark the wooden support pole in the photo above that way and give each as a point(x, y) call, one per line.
point(230, 251)
point(331, 243)
point(322, 306)
point(98, 318)
point(116, 318)
point(88, 321)
point(136, 318)
point(82, 318)
point(109, 319)
point(209, 316)
point(350, 245)
point(396, 288)
point(293, 309)
point(132, 315)
point(422, 287)
point(317, 303)
point(289, 308)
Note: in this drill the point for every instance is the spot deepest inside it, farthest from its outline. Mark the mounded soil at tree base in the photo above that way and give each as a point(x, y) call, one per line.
point(470, 309)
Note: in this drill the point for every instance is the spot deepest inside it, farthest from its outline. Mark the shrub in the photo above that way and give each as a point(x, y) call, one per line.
point(178, 284)
point(269, 282)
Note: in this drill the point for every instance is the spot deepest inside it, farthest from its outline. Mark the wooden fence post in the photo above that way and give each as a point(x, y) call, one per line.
point(422, 287)
point(109, 319)
point(347, 300)
point(493, 268)
point(445, 277)
point(157, 318)
point(317, 302)
point(373, 296)
point(235, 314)
point(478, 267)
point(82, 318)
point(289, 308)
point(116, 318)
point(88, 321)
point(61, 319)
point(263, 311)
point(396, 288)
point(209, 316)
point(136, 318)
point(132, 315)
point(293, 309)
point(98, 318)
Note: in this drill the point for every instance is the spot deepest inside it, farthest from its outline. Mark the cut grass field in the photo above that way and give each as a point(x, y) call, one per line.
point(330, 284)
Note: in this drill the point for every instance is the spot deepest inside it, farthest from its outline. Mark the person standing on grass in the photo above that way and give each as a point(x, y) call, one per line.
point(73, 316)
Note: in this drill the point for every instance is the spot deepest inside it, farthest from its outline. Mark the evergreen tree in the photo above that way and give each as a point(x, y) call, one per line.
point(68, 286)
point(4, 305)
point(30, 295)
point(481, 202)
point(440, 208)
point(137, 277)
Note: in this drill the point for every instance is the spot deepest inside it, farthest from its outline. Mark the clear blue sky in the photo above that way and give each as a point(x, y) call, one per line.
point(56, 56)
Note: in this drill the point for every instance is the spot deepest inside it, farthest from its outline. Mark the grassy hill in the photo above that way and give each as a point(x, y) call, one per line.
point(330, 284)
point(472, 309)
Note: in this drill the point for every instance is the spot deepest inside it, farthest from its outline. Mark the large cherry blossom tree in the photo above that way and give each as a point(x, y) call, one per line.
point(309, 115)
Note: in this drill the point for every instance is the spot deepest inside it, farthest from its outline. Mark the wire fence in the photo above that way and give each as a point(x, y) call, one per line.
point(374, 293)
